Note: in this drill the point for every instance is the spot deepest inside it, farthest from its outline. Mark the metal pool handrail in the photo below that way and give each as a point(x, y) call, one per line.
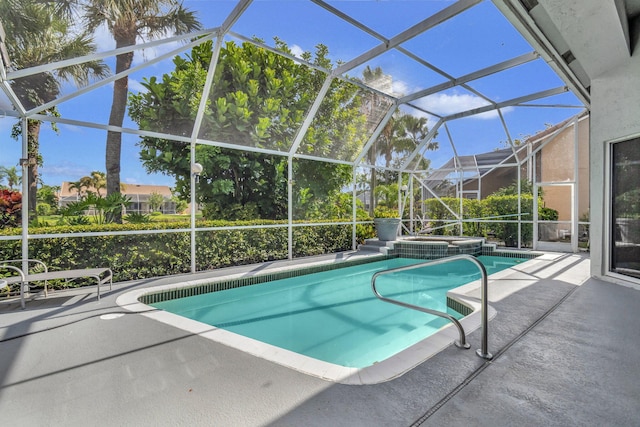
point(482, 352)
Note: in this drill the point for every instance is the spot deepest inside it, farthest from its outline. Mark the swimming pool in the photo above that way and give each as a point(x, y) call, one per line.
point(333, 316)
point(140, 300)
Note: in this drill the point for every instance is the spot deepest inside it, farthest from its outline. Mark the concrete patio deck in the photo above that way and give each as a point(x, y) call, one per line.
point(565, 353)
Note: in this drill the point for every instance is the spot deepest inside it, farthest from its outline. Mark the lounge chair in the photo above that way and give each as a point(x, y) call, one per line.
point(39, 272)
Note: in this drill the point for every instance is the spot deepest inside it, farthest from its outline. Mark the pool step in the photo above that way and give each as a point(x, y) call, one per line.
point(375, 245)
point(391, 342)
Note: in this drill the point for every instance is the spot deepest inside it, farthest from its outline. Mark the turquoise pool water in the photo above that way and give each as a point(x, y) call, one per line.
point(334, 316)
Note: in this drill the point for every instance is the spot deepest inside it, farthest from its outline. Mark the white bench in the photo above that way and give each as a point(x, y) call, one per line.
point(42, 274)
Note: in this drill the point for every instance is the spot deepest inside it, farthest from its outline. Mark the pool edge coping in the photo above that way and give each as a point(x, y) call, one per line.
point(379, 372)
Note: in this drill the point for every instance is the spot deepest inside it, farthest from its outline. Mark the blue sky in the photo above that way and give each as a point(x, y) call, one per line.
point(473, 40)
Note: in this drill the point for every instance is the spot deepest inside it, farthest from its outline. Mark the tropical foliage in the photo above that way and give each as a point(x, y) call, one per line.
point(400, 136)
point(10, 208)
point(94, 182)
point(128, 22)
point(259, 99)
point(385, 212)
point(38, 33)
point(103, 209)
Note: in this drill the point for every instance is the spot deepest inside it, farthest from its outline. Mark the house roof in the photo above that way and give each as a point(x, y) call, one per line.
point(126, 189)
point(485, 162)
point(478, 163)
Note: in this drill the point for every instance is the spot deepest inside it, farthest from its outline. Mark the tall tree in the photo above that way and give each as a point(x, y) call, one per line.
point(129, 21)
point(258, 99)
point(38, 34)
point(414, 131)
point(374, 78)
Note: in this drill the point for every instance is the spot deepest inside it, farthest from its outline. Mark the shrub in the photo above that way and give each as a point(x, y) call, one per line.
point(167, 253)
point(43, 209)
point(502, 207)
point(75, 220)
point(10, 208)
point(138, 218)
point(437, 214)
point(385, 212)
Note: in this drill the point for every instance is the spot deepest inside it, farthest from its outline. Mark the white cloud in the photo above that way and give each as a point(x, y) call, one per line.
point(105, 42)
point(400, 88)
point(296, 50)
point(446, 104)
point(103, 39)
point(65, 171)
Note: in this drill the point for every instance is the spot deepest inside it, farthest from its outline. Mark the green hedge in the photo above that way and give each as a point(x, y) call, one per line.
point(492, 206)
point(140, 256)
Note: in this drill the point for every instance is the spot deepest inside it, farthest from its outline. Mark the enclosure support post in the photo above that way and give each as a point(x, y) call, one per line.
point(575, 196)
point(354, 215)
point(194, 136)
point(411, 207)
point(193, 208)
point(290, 207)
point(519, 207)
point(24, 162)
point(535, 205)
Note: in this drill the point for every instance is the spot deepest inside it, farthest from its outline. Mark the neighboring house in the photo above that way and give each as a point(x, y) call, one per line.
point(550, 153)
point(556, 165)
point(138, 193)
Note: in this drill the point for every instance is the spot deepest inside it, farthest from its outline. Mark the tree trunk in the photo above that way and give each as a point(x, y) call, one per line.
point(372, 191)
point(116, 118)
point(372, 186)
point(33, 133)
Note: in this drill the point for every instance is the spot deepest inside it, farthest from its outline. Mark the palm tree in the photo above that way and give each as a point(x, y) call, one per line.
point(37, 34)
point(416, 130)
point(78, 186)
point(11, 175)
point(371, 101)
point(392, 139)
point(96, 180)
point(129, 21)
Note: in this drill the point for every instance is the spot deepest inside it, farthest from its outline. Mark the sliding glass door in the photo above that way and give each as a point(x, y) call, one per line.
point(625, 208)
